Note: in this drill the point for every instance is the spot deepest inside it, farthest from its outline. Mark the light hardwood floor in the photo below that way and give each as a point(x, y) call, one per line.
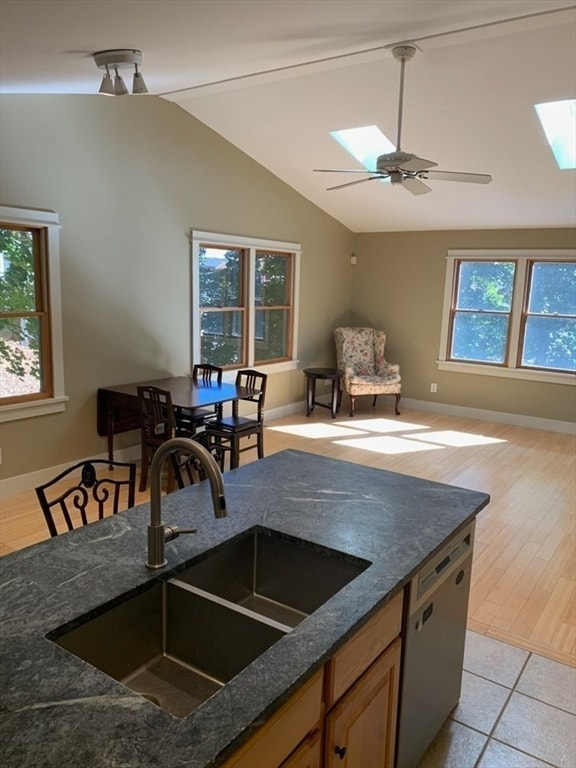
point(524, 572)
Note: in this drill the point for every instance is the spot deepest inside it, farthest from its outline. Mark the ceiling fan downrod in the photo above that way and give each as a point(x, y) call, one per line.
point(402, 53)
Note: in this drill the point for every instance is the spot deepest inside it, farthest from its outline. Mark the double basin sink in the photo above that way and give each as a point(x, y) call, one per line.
point(190, 632)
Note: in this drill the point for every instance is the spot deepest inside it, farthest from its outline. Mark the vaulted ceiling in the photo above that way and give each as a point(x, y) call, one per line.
point(274, 77)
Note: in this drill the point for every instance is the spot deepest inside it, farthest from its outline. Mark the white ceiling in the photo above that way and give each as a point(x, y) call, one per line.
point(275, 76)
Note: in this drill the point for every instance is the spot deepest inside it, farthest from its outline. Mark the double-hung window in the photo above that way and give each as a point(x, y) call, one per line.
point(244, 301)
point(31, 368)
point(510, 313)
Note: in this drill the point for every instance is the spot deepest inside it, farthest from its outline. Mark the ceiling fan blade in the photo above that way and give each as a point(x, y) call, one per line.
point(472, 178)
point(341, 170)
point(358, 181)
point(415, 186)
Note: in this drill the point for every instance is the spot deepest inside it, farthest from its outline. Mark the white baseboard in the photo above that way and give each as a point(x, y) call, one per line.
point(11, 486)
point(516, 419)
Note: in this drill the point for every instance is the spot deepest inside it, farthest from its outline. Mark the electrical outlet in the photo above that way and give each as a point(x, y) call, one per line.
point(433, 387)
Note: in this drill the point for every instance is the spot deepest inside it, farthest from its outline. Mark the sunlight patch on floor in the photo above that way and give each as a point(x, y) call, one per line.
point(389, 445)
point(376, 434)
point(381, 425)
point(317, 430)
point(457, 439)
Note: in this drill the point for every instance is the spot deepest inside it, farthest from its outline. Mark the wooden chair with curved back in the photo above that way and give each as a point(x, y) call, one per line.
point(190, 420)
point(226, 433)
point(157, 425)
point(86, 492)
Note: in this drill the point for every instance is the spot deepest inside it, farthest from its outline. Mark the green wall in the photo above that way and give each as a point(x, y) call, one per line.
point(128, 179)
point(399, 287)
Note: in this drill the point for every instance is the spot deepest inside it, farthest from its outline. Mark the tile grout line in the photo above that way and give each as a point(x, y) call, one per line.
point(490, 737)
point(499, 717)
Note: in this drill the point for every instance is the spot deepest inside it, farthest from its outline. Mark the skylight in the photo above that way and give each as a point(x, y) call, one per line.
point(364, 144)
point(558, 119)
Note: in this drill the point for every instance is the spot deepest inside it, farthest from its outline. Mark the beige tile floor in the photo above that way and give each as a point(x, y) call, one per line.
point(516, 710)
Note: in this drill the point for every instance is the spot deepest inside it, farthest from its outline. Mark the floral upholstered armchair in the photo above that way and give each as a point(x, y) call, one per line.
point(363, 367)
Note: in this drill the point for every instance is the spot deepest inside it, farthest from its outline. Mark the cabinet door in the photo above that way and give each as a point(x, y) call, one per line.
point(308, 754)
point(276, 739)
point(354, 658)
point(361, 729)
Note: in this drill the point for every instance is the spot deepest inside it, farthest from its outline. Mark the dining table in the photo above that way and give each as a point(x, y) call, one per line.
point(118, 408)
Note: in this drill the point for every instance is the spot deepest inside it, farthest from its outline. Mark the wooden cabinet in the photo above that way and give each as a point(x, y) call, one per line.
point(275, 741)
point(308, 754)
point(354, 658)
point(345, 715)
point(361, 728)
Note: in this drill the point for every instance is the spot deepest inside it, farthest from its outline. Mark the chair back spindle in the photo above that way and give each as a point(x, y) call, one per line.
point(85, 492)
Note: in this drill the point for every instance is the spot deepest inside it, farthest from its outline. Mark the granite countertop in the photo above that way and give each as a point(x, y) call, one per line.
point(59, 711)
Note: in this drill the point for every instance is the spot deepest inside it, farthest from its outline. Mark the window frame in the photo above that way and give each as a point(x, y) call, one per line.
point(511, 367)
point(251, 247)
point(53, 399)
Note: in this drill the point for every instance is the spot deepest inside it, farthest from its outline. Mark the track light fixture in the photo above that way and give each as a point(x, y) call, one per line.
point(114, 60)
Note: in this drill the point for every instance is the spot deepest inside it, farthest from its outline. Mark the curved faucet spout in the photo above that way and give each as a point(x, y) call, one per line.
point(158, 533)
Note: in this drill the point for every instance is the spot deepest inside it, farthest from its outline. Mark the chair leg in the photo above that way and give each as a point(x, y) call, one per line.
point(397, 405)
point(234, 452)
point(374, 401)
point(143, 470)
point(352, 405)
point(260, 444)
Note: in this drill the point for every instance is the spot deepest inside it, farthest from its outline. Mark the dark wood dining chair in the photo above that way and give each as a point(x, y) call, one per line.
point(189, 470)
point(86, 492)
point(157, 425)
point(229, 432)
point(191, 419)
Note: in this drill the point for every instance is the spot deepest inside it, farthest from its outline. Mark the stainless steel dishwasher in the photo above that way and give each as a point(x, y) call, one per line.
point(434, 637)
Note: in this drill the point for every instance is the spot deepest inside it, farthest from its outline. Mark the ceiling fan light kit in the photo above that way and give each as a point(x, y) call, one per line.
point(400, 167)
point(114, 60)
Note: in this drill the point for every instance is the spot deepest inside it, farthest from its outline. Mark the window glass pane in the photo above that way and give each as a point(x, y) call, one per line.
point(480, 337)
point(271, 332)
point(17, 275)
point(220, 277)
point(485, 285)
point(272, 279)
point(20, 370)
point(550, 342)
point(221, 338)
point(553, 289)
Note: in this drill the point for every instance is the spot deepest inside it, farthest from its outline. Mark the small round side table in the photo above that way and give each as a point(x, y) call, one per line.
point(330, 374)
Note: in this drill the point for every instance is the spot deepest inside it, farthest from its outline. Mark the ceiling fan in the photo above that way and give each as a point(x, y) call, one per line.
point(402, 167)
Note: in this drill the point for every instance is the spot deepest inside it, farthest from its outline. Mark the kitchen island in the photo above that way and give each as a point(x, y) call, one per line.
point(58, 711)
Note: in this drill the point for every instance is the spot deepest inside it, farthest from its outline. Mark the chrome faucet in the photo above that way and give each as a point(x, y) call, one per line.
point(158, 533)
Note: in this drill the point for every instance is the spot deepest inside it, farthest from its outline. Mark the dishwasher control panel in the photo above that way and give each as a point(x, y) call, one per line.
point(441, 566)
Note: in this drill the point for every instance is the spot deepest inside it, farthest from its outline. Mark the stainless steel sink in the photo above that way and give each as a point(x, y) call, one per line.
point(171, 645)
point(190, 632)
point(273, 575)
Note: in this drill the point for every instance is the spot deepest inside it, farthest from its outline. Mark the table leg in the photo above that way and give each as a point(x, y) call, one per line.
point(310, 394)
point(110, 434)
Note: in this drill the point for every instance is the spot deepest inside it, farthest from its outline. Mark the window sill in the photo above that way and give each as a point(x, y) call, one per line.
point(35, 408)
point(270, 368)
point(508, 373)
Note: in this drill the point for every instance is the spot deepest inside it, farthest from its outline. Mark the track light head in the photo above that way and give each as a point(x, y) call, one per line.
point(107, 86)
point(114, 60)
point(138, 84)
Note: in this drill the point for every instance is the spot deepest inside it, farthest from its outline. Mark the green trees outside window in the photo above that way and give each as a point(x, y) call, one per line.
point(24, 318)
point(243, 289)
point(520, 313)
